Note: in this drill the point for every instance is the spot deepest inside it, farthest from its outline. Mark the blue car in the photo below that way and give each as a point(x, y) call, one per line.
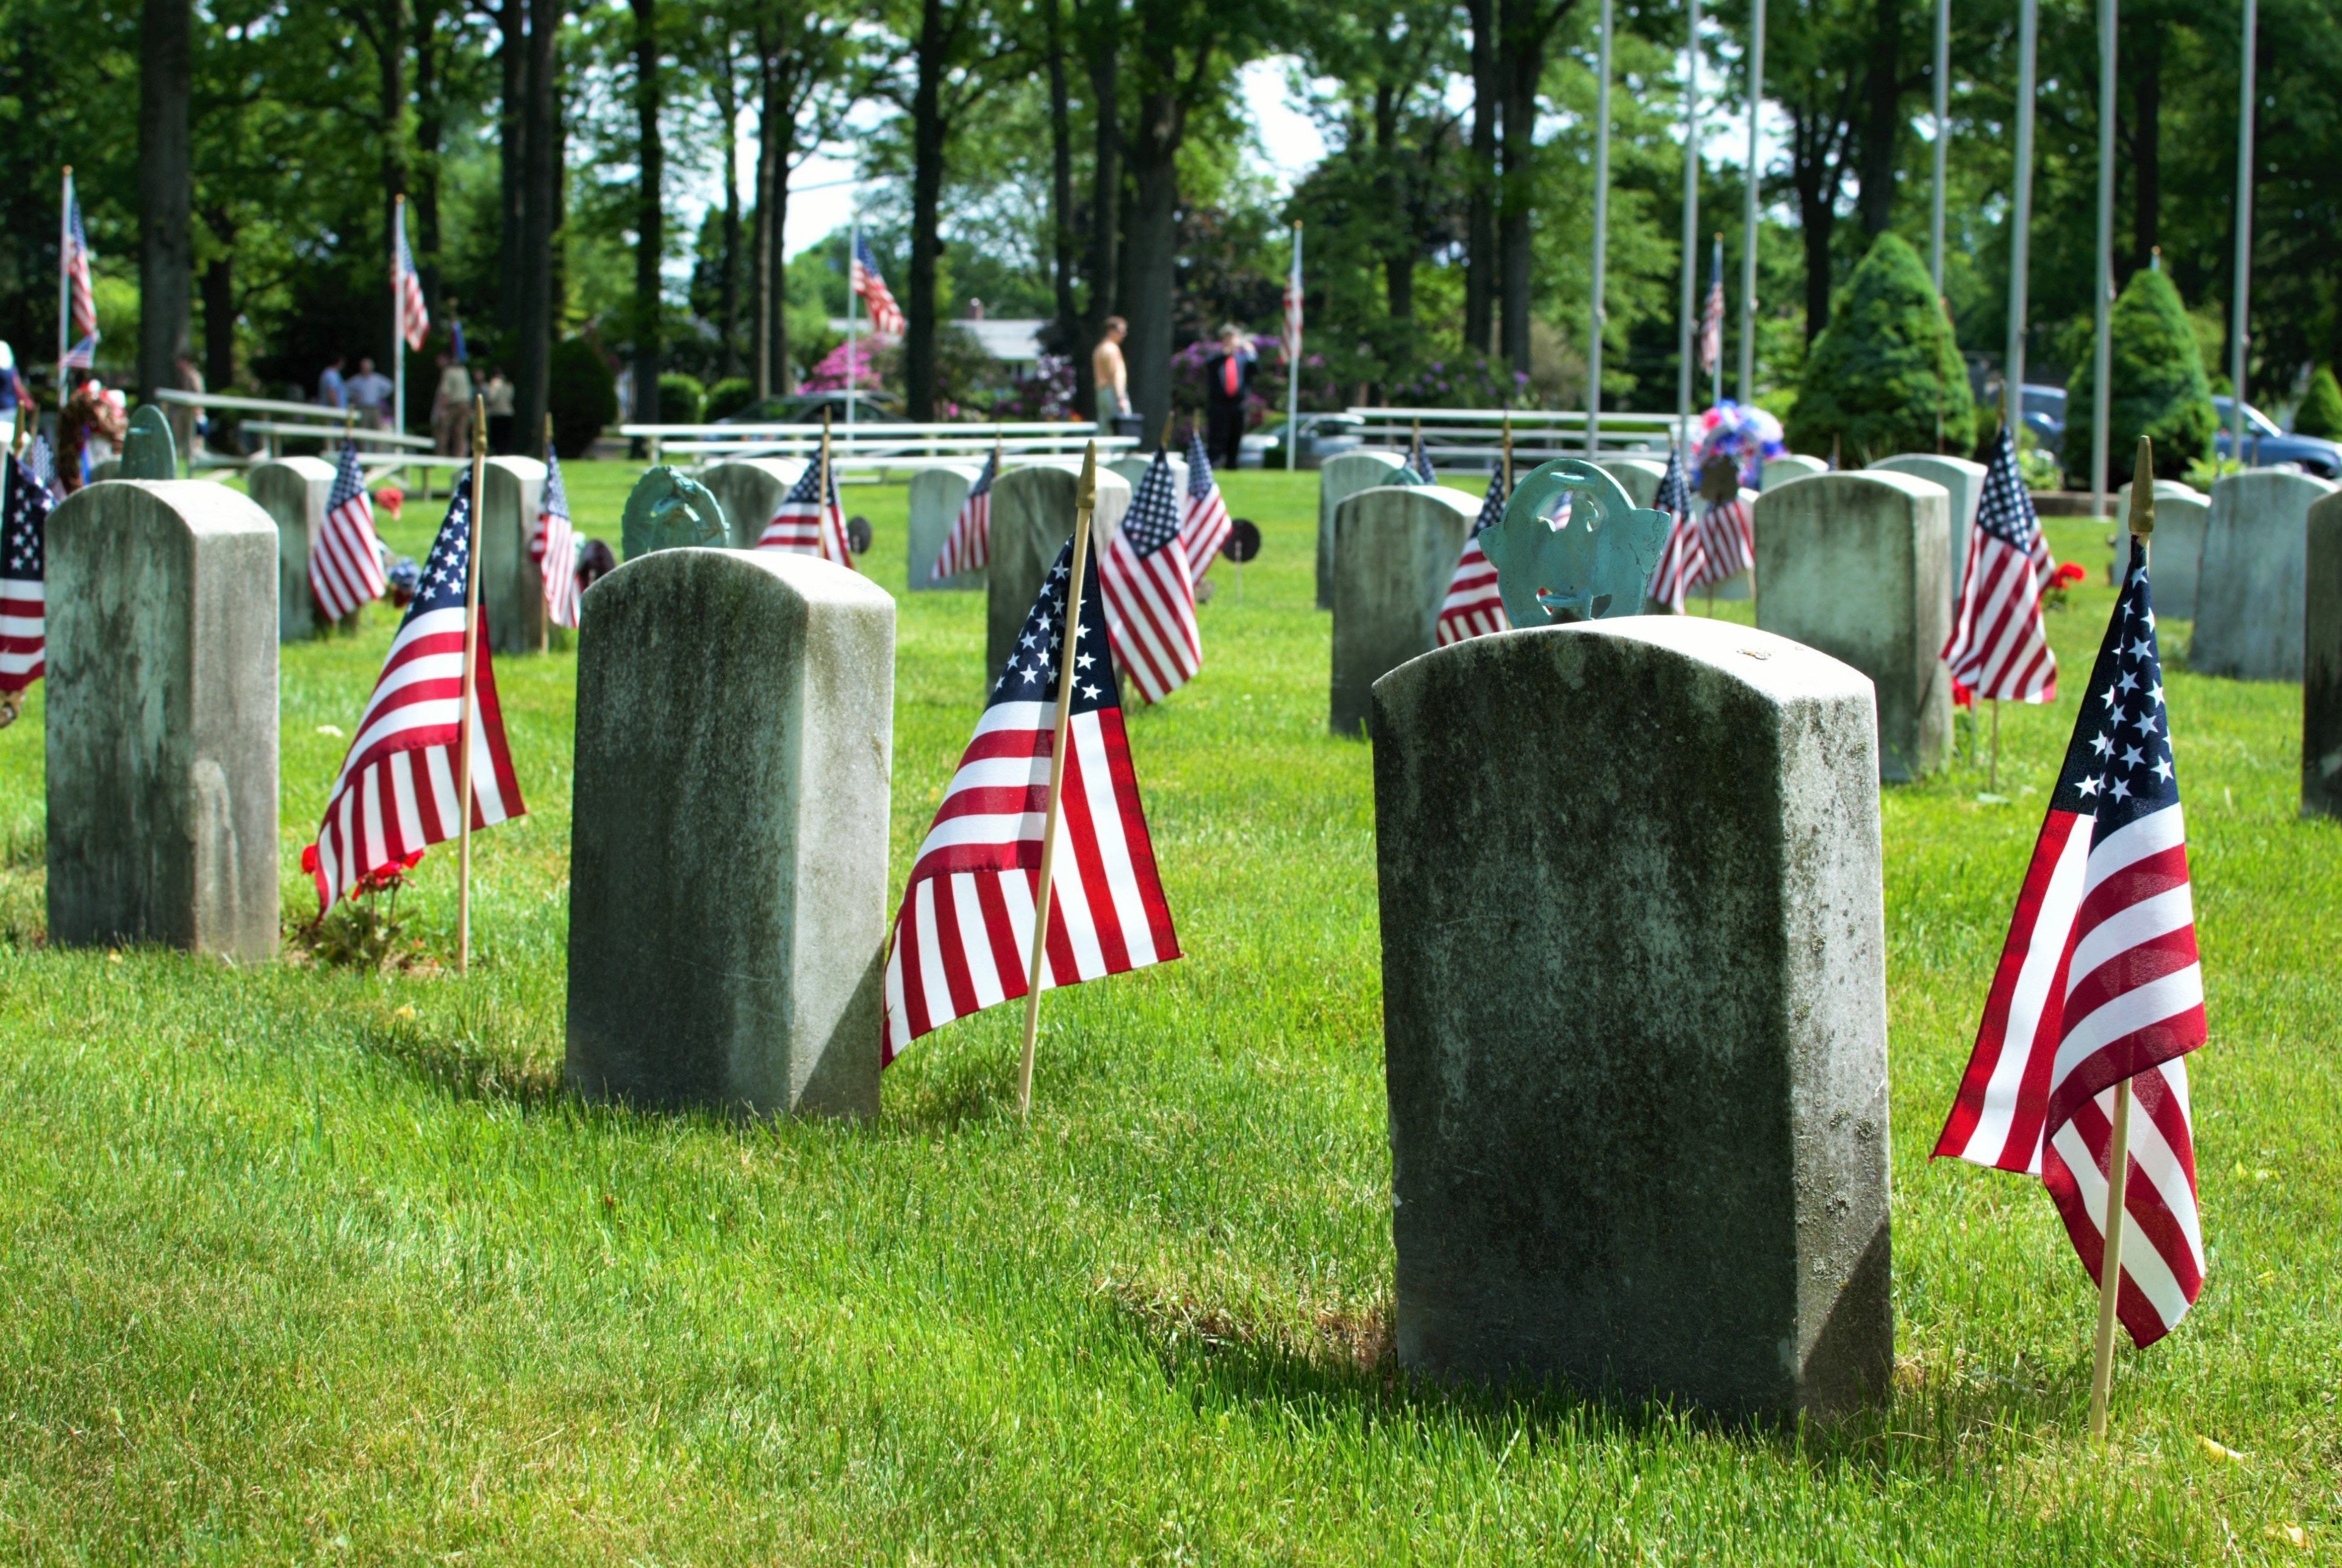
point(2266, 446)
point(2045, 416)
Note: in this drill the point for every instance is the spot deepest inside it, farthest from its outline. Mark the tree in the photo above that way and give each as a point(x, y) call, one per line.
point(2156, 376)
point(1524, 28)
point(2320, 412)
point(1886, 376)
point(166, 192)
point(650, 214)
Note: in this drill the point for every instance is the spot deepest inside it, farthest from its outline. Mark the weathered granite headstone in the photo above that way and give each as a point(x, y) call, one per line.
point(147, 452)
point(728, 896)
point(1637, 476)
point(1395, 550)
point(2250, 589)
point(936, 495)
point(512, 586)
point(293, 491)
point(2321, 686)
point(2182, 514)
point(1339, 478)
point(1855, 565)
point(669, 510)
point(1635, 1014)
point(1780, 471)
point(1032, 518)
point(1963, 481)
point(750, 491)
point(162, 719)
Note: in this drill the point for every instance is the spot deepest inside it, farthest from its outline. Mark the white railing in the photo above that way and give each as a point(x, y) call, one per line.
point(878, 445)
point(1474, 437)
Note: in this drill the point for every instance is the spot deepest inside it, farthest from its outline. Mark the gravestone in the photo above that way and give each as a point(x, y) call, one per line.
point(1133, 469)
point(1395, 550)
point(2321, 687)
point(148, 451)
point(1032, 518)
point(1637, 476)
point(735, 718)
point(669, 510)
point(1635, 1014)
point(1339, 478)
point(750, 491)
point(293, 491)
point(1855, 565)
point(162, 719)
point(1780, 471)
point(1963, 481)
point(512, 586)
point(936, 495)
point(2182, 512)
point(2250, 589)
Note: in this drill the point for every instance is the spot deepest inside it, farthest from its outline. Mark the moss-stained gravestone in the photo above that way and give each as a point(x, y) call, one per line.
point(937, 493)
point(1635, 1014)
point(668, 510)
point(1339, 478)
point(750, 489)
point(293, 492)
point(147, 450)
point(512, 586)
point(1032, 518)
point(162, 719)
point(1395, 551)
point(2250, 589)
point(2182, 514)
point(1963, 482)
point(728, 904)
point(2321, 672)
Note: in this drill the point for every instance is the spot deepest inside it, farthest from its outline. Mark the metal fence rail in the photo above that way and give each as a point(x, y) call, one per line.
point(1473, 438)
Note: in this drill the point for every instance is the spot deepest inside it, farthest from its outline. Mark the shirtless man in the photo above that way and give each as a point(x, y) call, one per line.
point(1106, 369)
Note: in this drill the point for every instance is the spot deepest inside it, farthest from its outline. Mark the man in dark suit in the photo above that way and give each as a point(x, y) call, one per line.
point(1227, 384)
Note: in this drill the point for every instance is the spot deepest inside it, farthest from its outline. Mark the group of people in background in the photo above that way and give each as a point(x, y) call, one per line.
point(368, 395)
point(1227, 386)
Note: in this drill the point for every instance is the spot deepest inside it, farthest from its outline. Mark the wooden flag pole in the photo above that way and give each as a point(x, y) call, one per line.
point(1085, 503)
point(471, 675)
point(2102, 1369)
point(1508, 450)
point(544, 615)
point(1992, 774)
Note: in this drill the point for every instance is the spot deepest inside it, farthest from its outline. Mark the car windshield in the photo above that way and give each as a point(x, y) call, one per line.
point(2261, 424)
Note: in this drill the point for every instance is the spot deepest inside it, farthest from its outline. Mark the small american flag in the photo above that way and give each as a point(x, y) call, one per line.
point(554, 544)
point(968, 545)
point(397, 792)
point(1683, 563)
point(1998, 647)
point(2099, 982)
point(83, 355)
point(807, 521)
point(1419, 462)
point(885, 316)
point(1711, 327)
point(1203, 520)
point(1727, 539)
point(963, 939)
point(414, 319)
point(24, 548)
point(1150, 598)
point(1289, 350)
point(1474, 608)
point(344, 557)
point(78, 260)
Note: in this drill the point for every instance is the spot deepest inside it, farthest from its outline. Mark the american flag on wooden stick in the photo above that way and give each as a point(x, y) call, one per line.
point(1419, 462)
point(1683, 563)
point(1711, 326)
point(963, 937)
point(885, 315)
point(1998, 647)
point(344, 557)
point(396, 792)
point(810, 520)
point(23, 551)
point(554, 545)
point(81, 298)
point(968, 545)
point(1473, 607)
point(414, 318)
point(1203, 520)
point(1150, 598)
point(1727, 539)
point(2099, 982)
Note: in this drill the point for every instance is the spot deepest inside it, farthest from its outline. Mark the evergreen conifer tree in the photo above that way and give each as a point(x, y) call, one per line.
point(2320, 412)
point(2160, 390)
point(1886, 375)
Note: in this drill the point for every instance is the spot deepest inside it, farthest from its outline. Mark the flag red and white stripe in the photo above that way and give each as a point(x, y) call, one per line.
point(810, 520)
point(24, 577)
point(1998, 648)
point(345, 557)
point(81, 296)
point(414, 317)
point(2098, 982)
point(963, 936)
point(1727, 539)
point(397, 792)
point(1289, 349)
point(1711, 327)
point(1203, 520)
point(1473, 607)
point(1150, 598)
point(1682, 561)
point(863, 279)
point(553, 544)
point(967, 545)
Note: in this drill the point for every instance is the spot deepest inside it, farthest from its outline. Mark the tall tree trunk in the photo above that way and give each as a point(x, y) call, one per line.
point(390, 59)
point(1104, 50)
point(1061, 184)
point(727, 308)
point(218, 285)
point(1392, 194)
point(1818, 185)
point(1154, 240)
point(1883, 100)
point(430, 132)
point(650, 217)
point(1480, 269)
point(166, 192)
point(512, 57)
point(2142, 62)
point(927, 133)
point(541, 214)
point(1520, 67)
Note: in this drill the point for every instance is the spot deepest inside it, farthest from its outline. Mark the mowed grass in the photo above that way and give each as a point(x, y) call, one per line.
point(305, 1264)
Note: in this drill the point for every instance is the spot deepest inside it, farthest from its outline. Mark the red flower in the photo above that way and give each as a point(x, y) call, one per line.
point(390, 498)
point(2068, 573)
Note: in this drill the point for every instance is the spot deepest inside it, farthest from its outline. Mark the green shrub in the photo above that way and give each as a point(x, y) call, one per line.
point(2158, 383)
point(584, 397)
point(681, 398)
point(729, 396)
point(1886, 375)
point(2320, 412)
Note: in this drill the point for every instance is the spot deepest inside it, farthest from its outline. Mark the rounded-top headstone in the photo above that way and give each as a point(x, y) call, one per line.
point(1635, 1013)
point(161, 718)
point(2182, 514)
point(1790, 467)
point(1394, 553)
point(1963, 481)
point(2250, 588)
point(937, 493)
point(512, 586)
point(750, 489)
point(1339, 478)
point(293, 492)
point(147, 449)
point(1032, 518)
point(1637, 476)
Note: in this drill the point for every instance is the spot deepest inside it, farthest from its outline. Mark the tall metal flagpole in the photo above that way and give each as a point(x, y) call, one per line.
point(1688, 328)
point(1714, 371)
point(2101, 344)
point(853, 317)
point(1292, 367)
point(1942, 103)
point(466, 729)
point(1601, 238)
point(2020, 221)
point(65, 285)
point(398, 323)
point(2239, 313)
point(1748, 256)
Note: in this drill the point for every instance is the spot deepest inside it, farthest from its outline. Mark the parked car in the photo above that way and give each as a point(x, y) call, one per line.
point(2266, 445)
point(2045, 416)
point(1321, 436)
point(805, 408)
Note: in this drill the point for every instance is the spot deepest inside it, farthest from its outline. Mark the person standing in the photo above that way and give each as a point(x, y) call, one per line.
point(1111, 375)
point(1228, 390)
point(498, 394)
point(451, 410)
point(333, 392)
point(369, 392)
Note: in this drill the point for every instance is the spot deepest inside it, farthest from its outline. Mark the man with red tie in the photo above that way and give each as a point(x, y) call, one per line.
point(1227, 383)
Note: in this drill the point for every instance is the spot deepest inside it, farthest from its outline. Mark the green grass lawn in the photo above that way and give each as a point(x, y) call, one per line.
point(307, 1264)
